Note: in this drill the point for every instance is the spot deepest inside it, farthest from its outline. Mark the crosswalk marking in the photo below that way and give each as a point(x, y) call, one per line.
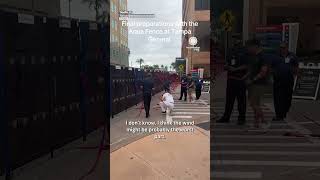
point(287, 153)
point(194, 113)
point(255, 137)
point(267, 144)
point(182, 117)
point(266, 163)
point(237, 175)
point(248, 130)
point(244, 148)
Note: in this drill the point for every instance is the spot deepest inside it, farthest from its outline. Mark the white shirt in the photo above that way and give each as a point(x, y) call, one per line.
point(168, 98)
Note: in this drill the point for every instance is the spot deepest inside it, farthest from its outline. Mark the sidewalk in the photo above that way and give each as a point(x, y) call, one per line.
point(68, 163)
point(179, 156)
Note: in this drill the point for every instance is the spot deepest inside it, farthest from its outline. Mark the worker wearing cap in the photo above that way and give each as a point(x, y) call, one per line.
point(285, 70)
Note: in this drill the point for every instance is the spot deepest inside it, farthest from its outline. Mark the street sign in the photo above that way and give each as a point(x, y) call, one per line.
point(206, 87)
point(227, 19)
point(306, 86)
point(180, 65)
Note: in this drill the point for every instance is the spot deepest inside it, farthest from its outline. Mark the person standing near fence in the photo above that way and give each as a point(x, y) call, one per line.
point(184, 88)
point(147, 88)
point(199, 86)
point(285, 70)
point(191, 88)
point(257, 82)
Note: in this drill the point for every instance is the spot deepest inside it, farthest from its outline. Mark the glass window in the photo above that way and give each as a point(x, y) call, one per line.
point(111, 5)
point(202, 5)
point(115, 25)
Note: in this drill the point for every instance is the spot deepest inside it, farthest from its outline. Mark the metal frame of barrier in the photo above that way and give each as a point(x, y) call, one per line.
point(43, 65)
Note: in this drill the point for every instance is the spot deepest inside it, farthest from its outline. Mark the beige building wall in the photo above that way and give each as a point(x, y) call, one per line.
point(194, 59)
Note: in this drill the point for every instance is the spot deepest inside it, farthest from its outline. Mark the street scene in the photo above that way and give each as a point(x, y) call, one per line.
point(265, 91)
point(165, 133)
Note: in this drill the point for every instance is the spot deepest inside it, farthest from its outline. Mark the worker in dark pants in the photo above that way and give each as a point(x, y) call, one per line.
point(285, 70)
point(237, 67)
point(199, 86)
point(147, 88)
point(184, 88)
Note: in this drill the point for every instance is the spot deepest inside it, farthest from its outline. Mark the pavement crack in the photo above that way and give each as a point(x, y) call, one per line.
point(149, 164)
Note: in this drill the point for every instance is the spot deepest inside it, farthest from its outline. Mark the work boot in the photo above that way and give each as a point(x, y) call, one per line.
point(277, 119)
point(241, 120)
point(223, 120)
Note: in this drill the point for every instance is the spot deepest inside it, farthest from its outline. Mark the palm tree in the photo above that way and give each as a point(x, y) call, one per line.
point(155, 66)
point(162, 66)
point(173, 65)
point(97, 5)
point(166, 68)
point(140, 61)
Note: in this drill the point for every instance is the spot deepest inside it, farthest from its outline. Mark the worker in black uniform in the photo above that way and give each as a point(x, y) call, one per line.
point(166, 85)
point(237, 67)
point(184, 88)
point(147, 88)
point(285, 70)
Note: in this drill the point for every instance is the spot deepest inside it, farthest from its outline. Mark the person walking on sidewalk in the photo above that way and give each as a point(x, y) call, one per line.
point(147, 88)
point(184, 88)
point(166, 102)
point(259, 66)
point(199, 86)
point(285, 70)
point(237, 67)
point(191, 88)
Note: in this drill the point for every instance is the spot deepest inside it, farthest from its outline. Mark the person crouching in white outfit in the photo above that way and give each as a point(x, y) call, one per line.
point(167, 102)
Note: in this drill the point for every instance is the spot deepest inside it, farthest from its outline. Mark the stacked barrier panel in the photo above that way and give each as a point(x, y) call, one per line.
point(27, 77)
point(95, 67)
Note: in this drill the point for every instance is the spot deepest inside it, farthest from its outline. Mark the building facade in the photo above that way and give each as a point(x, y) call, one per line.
point(273, 12)
point(119, 51)
point(197, 11)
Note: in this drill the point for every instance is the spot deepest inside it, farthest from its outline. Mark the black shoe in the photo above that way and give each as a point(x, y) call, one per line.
point(223, 120)
point(277, 119)
point(180, 99)
point(147, 115)
point(185, 99)
point(163, 112)
point(241, 122)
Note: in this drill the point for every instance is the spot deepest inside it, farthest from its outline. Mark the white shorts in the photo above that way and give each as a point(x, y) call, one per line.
point(164, 105)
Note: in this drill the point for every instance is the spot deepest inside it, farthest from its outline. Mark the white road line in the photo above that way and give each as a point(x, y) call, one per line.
point(248, 124)
point(308, 122)
point(197, 110)
point(266, 163)
point(237, 175)
point(181, 107)
point(191, 113)
point(282, 153)
point(255, 137)
point(247, 130)
point(267, 144)
point(181, 117)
